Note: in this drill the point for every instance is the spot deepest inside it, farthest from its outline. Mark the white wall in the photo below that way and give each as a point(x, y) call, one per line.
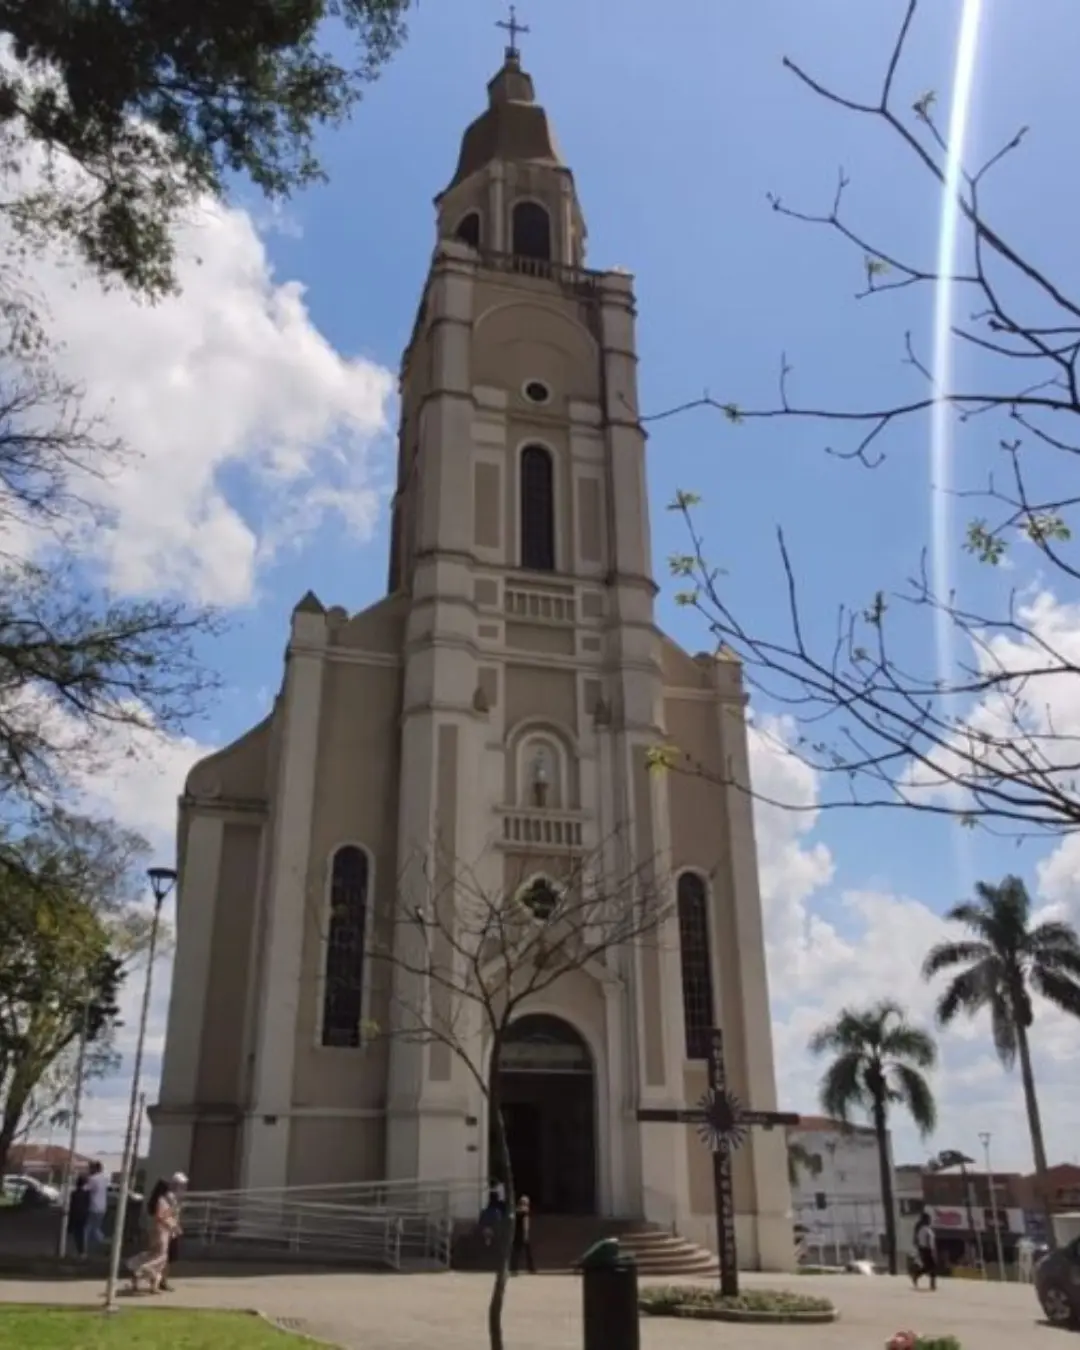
point(853, 1216)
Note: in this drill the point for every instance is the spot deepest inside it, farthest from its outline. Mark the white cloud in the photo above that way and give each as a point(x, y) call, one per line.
point(230, 377)
point(1023, 735)
point(827, 950)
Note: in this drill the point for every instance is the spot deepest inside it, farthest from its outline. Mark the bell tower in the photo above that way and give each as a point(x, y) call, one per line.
point(532, 665)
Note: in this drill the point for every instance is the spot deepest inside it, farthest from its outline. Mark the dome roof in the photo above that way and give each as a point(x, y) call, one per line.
point(514, 127)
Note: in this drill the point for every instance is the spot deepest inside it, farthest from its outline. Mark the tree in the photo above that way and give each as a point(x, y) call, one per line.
point(879, 1062)
point(979, 743)
point(464, 958)
point(80, 670)
point(49, 1105)
point(67, 926)
point(1004, 962)
point(157, 104)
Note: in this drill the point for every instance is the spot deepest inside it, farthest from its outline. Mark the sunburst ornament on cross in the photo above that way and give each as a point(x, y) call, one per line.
point(723, 1123)
point(722, 1120)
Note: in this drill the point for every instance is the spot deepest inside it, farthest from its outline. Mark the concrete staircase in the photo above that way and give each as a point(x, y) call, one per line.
point(560, 1240)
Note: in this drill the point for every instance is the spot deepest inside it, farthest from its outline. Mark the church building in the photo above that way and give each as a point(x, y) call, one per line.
point(500, 701)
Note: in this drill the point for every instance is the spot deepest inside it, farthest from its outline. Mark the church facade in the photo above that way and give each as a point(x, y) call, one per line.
point(502, 699)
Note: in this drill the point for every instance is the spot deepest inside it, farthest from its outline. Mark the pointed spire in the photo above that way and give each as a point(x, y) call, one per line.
point(310, 604)
point(514, 128)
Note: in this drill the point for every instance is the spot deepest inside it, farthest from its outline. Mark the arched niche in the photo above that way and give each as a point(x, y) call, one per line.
point(539, 743)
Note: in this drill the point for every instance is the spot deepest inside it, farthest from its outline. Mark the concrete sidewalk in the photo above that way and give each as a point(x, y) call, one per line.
point(416, 1312)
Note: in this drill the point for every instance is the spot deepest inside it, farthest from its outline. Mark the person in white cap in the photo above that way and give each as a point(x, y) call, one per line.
point(177, 1186)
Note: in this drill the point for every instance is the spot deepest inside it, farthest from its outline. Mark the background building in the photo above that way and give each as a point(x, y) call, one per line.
point(836, 1201)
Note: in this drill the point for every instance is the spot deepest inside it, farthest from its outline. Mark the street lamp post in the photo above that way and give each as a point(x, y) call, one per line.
point(162, 880)
point(984, 1138)
point(952, 1157)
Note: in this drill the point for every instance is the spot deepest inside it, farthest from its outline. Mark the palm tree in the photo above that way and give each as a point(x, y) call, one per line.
point(800, 1159)
point(880, 1061)
point(1004, 962)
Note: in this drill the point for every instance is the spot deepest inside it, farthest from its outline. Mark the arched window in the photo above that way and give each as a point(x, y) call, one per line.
point(468, 230)
point(697, 988)
point(537, 509)
point(532, 231)
point(343, 993)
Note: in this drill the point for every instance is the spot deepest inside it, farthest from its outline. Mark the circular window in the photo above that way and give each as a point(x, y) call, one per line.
point(537, 392)
point(541, 899)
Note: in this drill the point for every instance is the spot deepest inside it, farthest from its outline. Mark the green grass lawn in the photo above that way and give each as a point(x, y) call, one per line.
point(74, 1329)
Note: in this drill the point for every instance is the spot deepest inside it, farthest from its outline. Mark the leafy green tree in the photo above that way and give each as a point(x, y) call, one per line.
point(157, 103)
point(999, 968)
point(68, 925)
point(879, 1061)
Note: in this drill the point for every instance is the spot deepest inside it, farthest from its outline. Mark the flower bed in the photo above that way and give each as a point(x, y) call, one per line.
point(752, 1305)
point(907, 1340)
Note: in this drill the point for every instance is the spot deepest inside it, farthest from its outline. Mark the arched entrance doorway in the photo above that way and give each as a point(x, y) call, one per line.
point(547, 1083)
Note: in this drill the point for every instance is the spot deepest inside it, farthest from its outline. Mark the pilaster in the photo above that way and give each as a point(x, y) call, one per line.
point(630, 544)
point(266, 1136)
point(197, 897)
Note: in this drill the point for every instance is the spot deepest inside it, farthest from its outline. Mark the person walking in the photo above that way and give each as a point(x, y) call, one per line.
point(925, 1253)
point(97, 1184)
point(151, 1265)
point(522, 1244)
point(494, 1211)
point(177, 1186)
point(78, 1216)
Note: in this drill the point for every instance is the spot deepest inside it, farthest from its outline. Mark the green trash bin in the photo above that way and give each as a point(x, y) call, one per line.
point(609, 1289)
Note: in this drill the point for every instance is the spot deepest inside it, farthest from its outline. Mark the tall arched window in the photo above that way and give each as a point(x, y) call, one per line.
point(537, 509)
point(697, 987)
point(468, 230)
point(343, 993)
point(532, 231)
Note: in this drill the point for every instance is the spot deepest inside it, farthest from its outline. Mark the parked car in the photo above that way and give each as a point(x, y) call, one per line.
point(19, 1190)
point(1057, 1285)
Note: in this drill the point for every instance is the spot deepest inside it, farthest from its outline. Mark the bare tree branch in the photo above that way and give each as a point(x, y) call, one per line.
point(469, 947)
point(983, 742)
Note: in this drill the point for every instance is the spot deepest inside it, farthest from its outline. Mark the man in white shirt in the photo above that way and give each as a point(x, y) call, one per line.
point(98, 1186)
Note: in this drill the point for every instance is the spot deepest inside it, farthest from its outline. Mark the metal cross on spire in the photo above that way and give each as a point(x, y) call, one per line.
point(513, 28)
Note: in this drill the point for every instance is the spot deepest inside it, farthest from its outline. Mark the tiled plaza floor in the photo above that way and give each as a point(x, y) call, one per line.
point(419, 1312)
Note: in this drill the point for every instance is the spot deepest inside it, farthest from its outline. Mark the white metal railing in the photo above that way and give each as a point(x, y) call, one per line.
point(395, 1225)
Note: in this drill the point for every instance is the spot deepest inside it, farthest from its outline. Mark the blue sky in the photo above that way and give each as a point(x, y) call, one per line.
point(676, 131)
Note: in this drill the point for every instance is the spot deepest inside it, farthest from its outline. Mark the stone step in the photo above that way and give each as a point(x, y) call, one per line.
point(560, 1240)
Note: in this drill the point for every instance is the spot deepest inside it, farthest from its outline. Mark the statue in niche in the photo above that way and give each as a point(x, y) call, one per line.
point(540, 777)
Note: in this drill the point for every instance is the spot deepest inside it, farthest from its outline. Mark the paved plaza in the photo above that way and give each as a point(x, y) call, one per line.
point(416, 1312)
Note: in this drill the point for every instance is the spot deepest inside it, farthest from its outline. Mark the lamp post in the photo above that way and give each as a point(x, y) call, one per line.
point(162, 880)
point(984, 1138)
point(952, 1157)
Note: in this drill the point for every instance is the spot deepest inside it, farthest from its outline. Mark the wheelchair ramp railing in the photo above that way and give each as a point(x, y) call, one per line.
point(370, 1225)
